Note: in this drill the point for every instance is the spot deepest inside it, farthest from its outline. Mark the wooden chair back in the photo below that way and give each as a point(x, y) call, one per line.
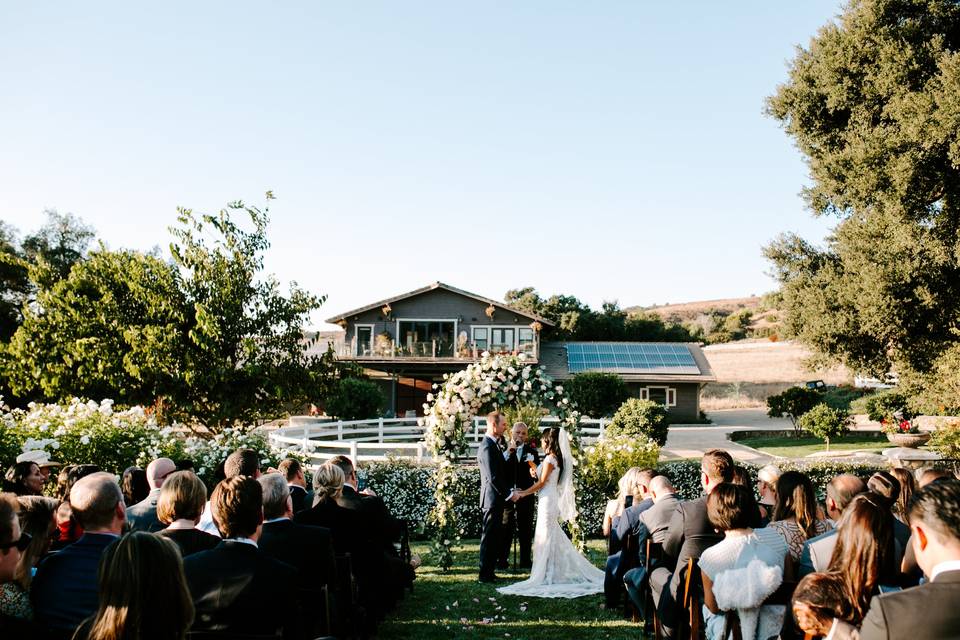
point(691, 623)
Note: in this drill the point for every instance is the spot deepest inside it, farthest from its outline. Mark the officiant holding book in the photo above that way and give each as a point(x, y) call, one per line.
point(521, 459)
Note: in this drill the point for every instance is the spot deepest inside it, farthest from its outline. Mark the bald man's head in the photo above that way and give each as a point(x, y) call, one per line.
point(97, 503)
point(661, 486)
point(158, 470)
point(841, 491)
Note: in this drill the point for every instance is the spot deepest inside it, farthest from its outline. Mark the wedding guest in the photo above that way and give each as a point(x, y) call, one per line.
point(68, 529)
point(729, 571)
point(817, 551)
point(741, 476)
point(142, 592)
point(795, 514)
point(236, 588)
point(908, 486)
point(818, 599)
point(36, 521)
point(134, 485)
point(240, 463)
point(887, 487)
point(626, 490)
point(179, 506)
point(325, 512)
point(932, 474)
point(12, 543)
point(293, 471)
point(143, 515)
point(627, 524)
point(767, 478)
point(24, 479)
point(42, 458)
point(64, 591)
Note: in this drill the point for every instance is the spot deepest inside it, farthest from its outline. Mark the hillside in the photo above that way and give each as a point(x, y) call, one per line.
point(688, 311)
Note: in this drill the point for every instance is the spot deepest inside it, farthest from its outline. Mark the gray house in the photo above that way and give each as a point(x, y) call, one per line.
point(407, 342)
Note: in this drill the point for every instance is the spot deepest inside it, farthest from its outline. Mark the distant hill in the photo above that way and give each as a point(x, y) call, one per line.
point(709, 315)
point(686, 311)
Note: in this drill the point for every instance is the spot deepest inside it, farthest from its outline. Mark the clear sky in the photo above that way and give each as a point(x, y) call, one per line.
point(609, 150)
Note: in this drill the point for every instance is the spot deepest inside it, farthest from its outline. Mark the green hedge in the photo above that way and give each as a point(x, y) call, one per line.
point(407, 489)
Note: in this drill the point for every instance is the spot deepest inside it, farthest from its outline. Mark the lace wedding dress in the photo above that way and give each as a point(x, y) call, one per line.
point(559, 571)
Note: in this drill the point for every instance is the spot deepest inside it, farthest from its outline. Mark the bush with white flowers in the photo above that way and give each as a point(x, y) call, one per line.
point(207, 453)
point(495, 382)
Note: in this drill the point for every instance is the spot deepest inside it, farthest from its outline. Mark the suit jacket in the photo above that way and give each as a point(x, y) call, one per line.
point(375, 519)
point(624, 525)
point(518, 470)
point(64, 591)
point(308, 549)
point(191, 541)
point(143, 515)
point(655, 521)
point(343, 524)
point(493, 480)
point(927, 612)
point(302, 499)
point(236, 588)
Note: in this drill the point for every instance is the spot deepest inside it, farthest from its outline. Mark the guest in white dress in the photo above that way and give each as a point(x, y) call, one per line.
point(744, 568)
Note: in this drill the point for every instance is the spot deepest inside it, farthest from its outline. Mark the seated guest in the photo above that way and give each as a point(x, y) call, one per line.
point(741, 476)
point(887, 487)
point(143, 515)
point(68, 530)
point(626, 490)
point(179, 506)
point(818, 599)
point(652, 524)
point(767, 478)
point(236, 588)
point(795, 514)
point(736, 572)
point(326, 513)
point(142, 592)
point(134, 485)
point(927, 612)
point(241, 463)
point(36, 521)
point(12, 543)
point(908, 487)
point(64, 591)
point(817, 551)
point(24, 479)
point(628, 523)
point(688, 535)
point(932, 474)
point(292, 470)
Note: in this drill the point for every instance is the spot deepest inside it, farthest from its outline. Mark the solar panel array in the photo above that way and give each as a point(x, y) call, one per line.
point(630, 358)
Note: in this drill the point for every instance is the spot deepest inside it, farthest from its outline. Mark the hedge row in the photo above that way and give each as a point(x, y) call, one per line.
point(407, 489)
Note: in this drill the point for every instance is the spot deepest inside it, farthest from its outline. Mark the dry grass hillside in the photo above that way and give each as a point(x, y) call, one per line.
point(687, 311)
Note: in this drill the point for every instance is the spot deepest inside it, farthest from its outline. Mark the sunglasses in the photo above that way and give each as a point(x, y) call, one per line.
point(20, 544)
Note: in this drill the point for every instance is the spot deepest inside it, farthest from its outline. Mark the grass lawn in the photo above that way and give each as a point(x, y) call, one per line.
point(791, 447)
point(455, 605)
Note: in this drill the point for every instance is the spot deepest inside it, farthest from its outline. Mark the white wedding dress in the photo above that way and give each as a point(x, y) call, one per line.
point(559, 571)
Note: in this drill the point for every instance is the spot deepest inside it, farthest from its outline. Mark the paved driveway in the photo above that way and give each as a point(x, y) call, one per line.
point(692, 441)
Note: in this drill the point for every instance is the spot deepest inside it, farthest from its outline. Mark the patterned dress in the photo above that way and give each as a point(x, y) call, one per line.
point(15, 601)
point(794, 537)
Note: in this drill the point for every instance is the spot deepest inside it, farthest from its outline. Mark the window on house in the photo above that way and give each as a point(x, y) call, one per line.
point(480, 338)
point(525, 341)
point(667, 396)
point(501, 340)
point(364, 340)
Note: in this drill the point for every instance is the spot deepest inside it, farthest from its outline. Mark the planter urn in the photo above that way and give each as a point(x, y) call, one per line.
point(908, 440)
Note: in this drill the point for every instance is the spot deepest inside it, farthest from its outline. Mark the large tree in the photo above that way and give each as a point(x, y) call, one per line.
point(873, 103)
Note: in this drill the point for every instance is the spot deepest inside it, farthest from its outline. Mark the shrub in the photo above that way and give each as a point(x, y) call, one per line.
point(640, 418)
point(792, 403)
point(355, 399)
point(208, 453)
point(597, 395)
point(606, 461)
point(946, 439)
point(888, 406)
point(825, 422)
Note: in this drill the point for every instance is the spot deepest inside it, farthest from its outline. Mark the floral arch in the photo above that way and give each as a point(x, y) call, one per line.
point(495, 382)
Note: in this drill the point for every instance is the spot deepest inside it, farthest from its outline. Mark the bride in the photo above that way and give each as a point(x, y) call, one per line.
point(559, 571)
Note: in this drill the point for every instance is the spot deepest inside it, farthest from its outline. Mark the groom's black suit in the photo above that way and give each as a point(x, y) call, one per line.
point(518, 516)
point(493, 493)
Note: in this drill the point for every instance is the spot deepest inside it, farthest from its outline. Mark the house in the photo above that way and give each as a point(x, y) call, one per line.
point(409, 341)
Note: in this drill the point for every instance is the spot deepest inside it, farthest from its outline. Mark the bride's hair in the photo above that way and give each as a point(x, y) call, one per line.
point(551, 444)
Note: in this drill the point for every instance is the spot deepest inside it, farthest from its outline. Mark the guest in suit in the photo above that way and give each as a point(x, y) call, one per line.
point(653, 524)
point(64, 591)
point(518, 516)
point(293, 471)
point(236, 588)
point(242, 462)
point(181, 501)
point(927, 612)
point(628, 524)
point(143, 515)
point(493, 492)
point(12, 544)
point(688, 535)
point(142, 592)
point(817, 551)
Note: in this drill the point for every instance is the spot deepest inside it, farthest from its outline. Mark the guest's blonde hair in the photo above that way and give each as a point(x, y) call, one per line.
point(627, 486)
point(327, 483)
point(182, 497)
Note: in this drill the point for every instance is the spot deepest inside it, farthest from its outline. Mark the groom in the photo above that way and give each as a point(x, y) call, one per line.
point(493, 493)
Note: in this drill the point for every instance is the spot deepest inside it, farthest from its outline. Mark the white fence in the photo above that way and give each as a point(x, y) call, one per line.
point(368, 440)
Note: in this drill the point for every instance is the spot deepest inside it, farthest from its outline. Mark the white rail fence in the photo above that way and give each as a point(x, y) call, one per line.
point(370, 440)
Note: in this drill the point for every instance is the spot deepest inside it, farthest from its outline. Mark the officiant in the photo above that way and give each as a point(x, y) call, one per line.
point(521, 459)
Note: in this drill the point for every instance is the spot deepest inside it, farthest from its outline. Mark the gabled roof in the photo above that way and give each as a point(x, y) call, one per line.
point(431, 287)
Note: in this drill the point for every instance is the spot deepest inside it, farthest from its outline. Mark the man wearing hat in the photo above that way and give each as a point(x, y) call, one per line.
point(41, 458)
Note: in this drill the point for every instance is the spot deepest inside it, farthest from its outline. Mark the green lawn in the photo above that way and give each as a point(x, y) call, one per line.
point(791, 447)
point(455, 605)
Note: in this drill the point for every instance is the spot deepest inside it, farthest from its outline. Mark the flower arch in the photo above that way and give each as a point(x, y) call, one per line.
point(494, 382)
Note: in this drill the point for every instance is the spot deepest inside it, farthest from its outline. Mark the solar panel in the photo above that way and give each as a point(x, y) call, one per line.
point(624, 357)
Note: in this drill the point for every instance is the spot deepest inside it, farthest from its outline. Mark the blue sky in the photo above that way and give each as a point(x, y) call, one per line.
point(612, 150)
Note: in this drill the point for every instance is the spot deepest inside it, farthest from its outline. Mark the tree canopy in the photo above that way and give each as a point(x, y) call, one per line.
point(873, 103)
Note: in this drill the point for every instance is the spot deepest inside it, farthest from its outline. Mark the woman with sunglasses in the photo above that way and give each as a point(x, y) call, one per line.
point(37, 522)
point(11, 544)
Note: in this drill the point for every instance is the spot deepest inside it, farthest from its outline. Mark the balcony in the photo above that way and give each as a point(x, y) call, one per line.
point(434, 350)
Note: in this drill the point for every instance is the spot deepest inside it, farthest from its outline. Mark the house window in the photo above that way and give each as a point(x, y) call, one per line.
point(525, 342)
point(427, 338)
point(480, 337)
point(364, 339)
point(502, 340)
point(667, 396)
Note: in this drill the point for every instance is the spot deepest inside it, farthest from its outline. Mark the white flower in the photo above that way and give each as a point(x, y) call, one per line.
point(84, 439)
